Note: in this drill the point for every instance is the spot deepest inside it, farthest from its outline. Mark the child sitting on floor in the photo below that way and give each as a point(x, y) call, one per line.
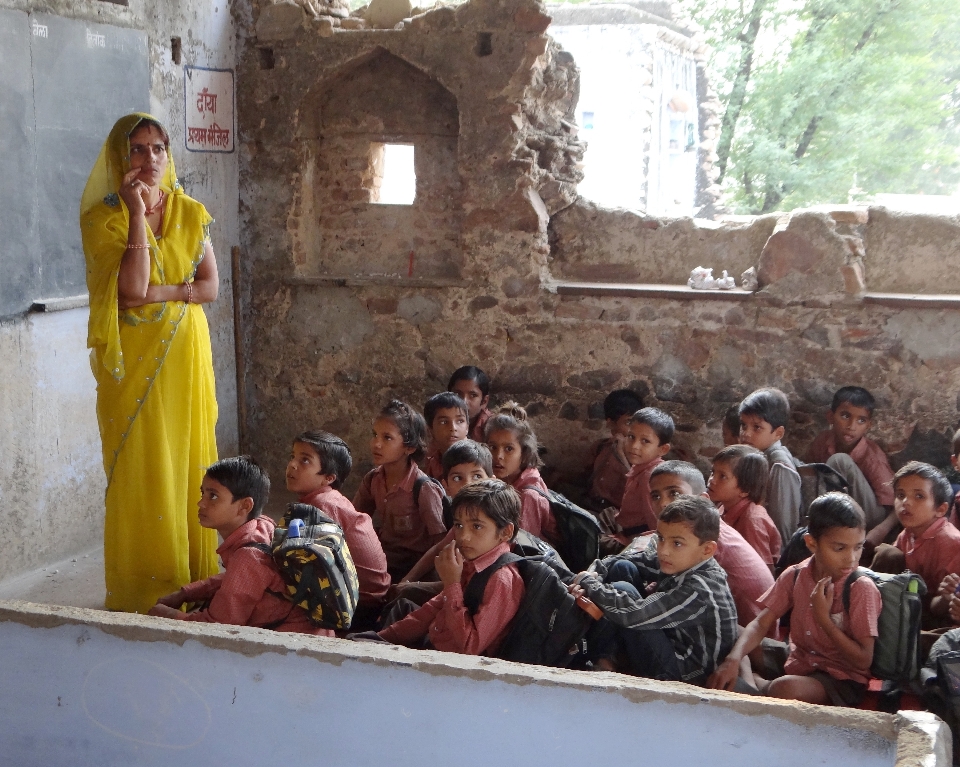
point(486, 518)
point(831, 648)
point(763, 422)
point(647, 441)
point(473, 386)
point(669, 609)
point(747, 575)
point(319, 463)
point(513, 446)
point(929, 544)
point(736, 486)
point(406, 527)
point(846, 448)
point(447, 422)
point(250, 591)
point(608, 464)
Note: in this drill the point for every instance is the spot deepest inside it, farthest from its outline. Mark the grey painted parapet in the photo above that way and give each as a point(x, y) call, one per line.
point(90, 687)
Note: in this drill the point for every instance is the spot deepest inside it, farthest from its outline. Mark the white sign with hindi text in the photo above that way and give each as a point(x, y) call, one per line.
point(209, 109)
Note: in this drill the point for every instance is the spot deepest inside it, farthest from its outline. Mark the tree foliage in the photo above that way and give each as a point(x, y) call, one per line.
point(822, 96)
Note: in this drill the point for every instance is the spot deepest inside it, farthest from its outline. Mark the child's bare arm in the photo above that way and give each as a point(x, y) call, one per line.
point(175, 599)
point(858, 652)
point(725, 677)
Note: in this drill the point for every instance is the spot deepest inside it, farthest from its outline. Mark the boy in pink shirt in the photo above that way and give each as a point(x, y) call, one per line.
point(647, 441)
point(608, 464)
point(319, 463)
point(447, 422)
point(473, 386)
point(486, 518)
point(831, 648)
point(846, 448)
point(736, 486)
point(250, 591)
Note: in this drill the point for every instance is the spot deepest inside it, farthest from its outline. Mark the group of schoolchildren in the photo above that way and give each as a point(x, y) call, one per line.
point(686, 582)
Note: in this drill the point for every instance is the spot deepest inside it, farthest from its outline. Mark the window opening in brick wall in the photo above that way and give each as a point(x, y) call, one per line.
point(394, 179)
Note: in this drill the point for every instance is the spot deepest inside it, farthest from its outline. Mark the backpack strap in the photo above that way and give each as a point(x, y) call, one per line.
point(418, 484)
point(848, 585)
point(473, 593)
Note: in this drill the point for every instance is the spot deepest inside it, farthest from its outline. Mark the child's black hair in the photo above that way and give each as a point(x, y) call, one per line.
point(621, 402)
point(686, 471)
point(955, 445)
point(750, 468)
point(410, 424)
point(467, 451)
point(443, 401)
point(769, 404)
point(661, 423)
point(244, 478)
point(494, 498)
point(696, 511)
point(853, 395)
point(834, 510)
point(731, 420)
point(471, 373)
point(333, 453)
point(512, 417)
point(940, 487)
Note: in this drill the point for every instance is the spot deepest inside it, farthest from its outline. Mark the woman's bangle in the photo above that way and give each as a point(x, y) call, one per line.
point(137, 247)
point(189, 286)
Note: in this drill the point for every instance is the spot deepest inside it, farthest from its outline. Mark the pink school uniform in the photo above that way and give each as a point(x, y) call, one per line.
point(608, 476)
point(636, 510)
point(747, 574)
point(754, 524)
point(932, 554)
point(535, 515)
point(868, 456)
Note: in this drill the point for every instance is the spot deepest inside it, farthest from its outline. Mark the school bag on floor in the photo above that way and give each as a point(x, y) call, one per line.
point(549, 628)
point(577, 528)
point(317, 566)
point(896, 652)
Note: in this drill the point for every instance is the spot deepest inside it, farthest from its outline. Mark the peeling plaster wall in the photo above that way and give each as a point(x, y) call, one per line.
point(51, 475)
point(122, 689)
point(522, 231)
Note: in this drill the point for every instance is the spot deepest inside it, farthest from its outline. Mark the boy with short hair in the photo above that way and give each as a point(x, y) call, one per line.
point(319, 464)
point(929, 544)
point(846, 448)
point(688, 621)
point(608, 464)
point(473, 386)
point(250, 591)
point(831, 647)
point(486, 518)
point(763, 421)
point(649, 432)
point(747, 575)
point(447, 420)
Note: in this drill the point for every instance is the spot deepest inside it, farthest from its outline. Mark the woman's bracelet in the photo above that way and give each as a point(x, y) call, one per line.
point(189, 286)
point(137, 247)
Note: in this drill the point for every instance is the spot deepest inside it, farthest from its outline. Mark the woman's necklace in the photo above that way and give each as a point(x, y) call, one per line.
point(151, 210)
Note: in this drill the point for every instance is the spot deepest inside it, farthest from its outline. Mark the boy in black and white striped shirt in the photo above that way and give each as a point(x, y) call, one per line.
point(667, 608)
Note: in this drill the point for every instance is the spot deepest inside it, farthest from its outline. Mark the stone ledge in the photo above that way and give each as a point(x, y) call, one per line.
point(628, 290)
point(914, 300)
point(383, 280)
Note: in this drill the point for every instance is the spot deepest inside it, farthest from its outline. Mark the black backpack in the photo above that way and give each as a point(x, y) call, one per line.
point(549, 628)
point(577, 528)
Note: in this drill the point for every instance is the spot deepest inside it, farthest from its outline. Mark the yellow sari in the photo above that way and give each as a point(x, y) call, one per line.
point(156, 402)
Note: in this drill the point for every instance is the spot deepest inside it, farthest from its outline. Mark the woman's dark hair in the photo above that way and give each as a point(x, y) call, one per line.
point(494, 498)
point(244, 478)
point(696, 511)
point(410, 424)
point(661, 423)
point(471, 373)
point(443, 401)
point(749, 466)
point(511, 417)
point(146, 122)
point(834, 510)
point(467, 451)
point(940, 487)
point(333, 453)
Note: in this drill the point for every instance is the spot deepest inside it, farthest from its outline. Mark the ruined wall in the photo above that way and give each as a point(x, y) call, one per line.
point(327, 348)
point(51, 474)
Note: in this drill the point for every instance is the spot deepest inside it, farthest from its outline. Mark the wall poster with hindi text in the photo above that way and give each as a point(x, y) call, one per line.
point(209, 109)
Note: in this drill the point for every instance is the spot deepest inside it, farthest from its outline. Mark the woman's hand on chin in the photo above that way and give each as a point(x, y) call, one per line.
point(135, 193)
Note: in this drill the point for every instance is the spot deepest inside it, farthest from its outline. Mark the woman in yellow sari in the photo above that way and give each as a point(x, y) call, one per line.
point(150, 265)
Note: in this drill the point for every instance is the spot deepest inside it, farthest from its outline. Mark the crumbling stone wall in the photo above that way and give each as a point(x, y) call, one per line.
point(336, 327)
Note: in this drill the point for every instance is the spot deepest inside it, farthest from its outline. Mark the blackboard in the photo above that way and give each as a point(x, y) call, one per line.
point(63, 83)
